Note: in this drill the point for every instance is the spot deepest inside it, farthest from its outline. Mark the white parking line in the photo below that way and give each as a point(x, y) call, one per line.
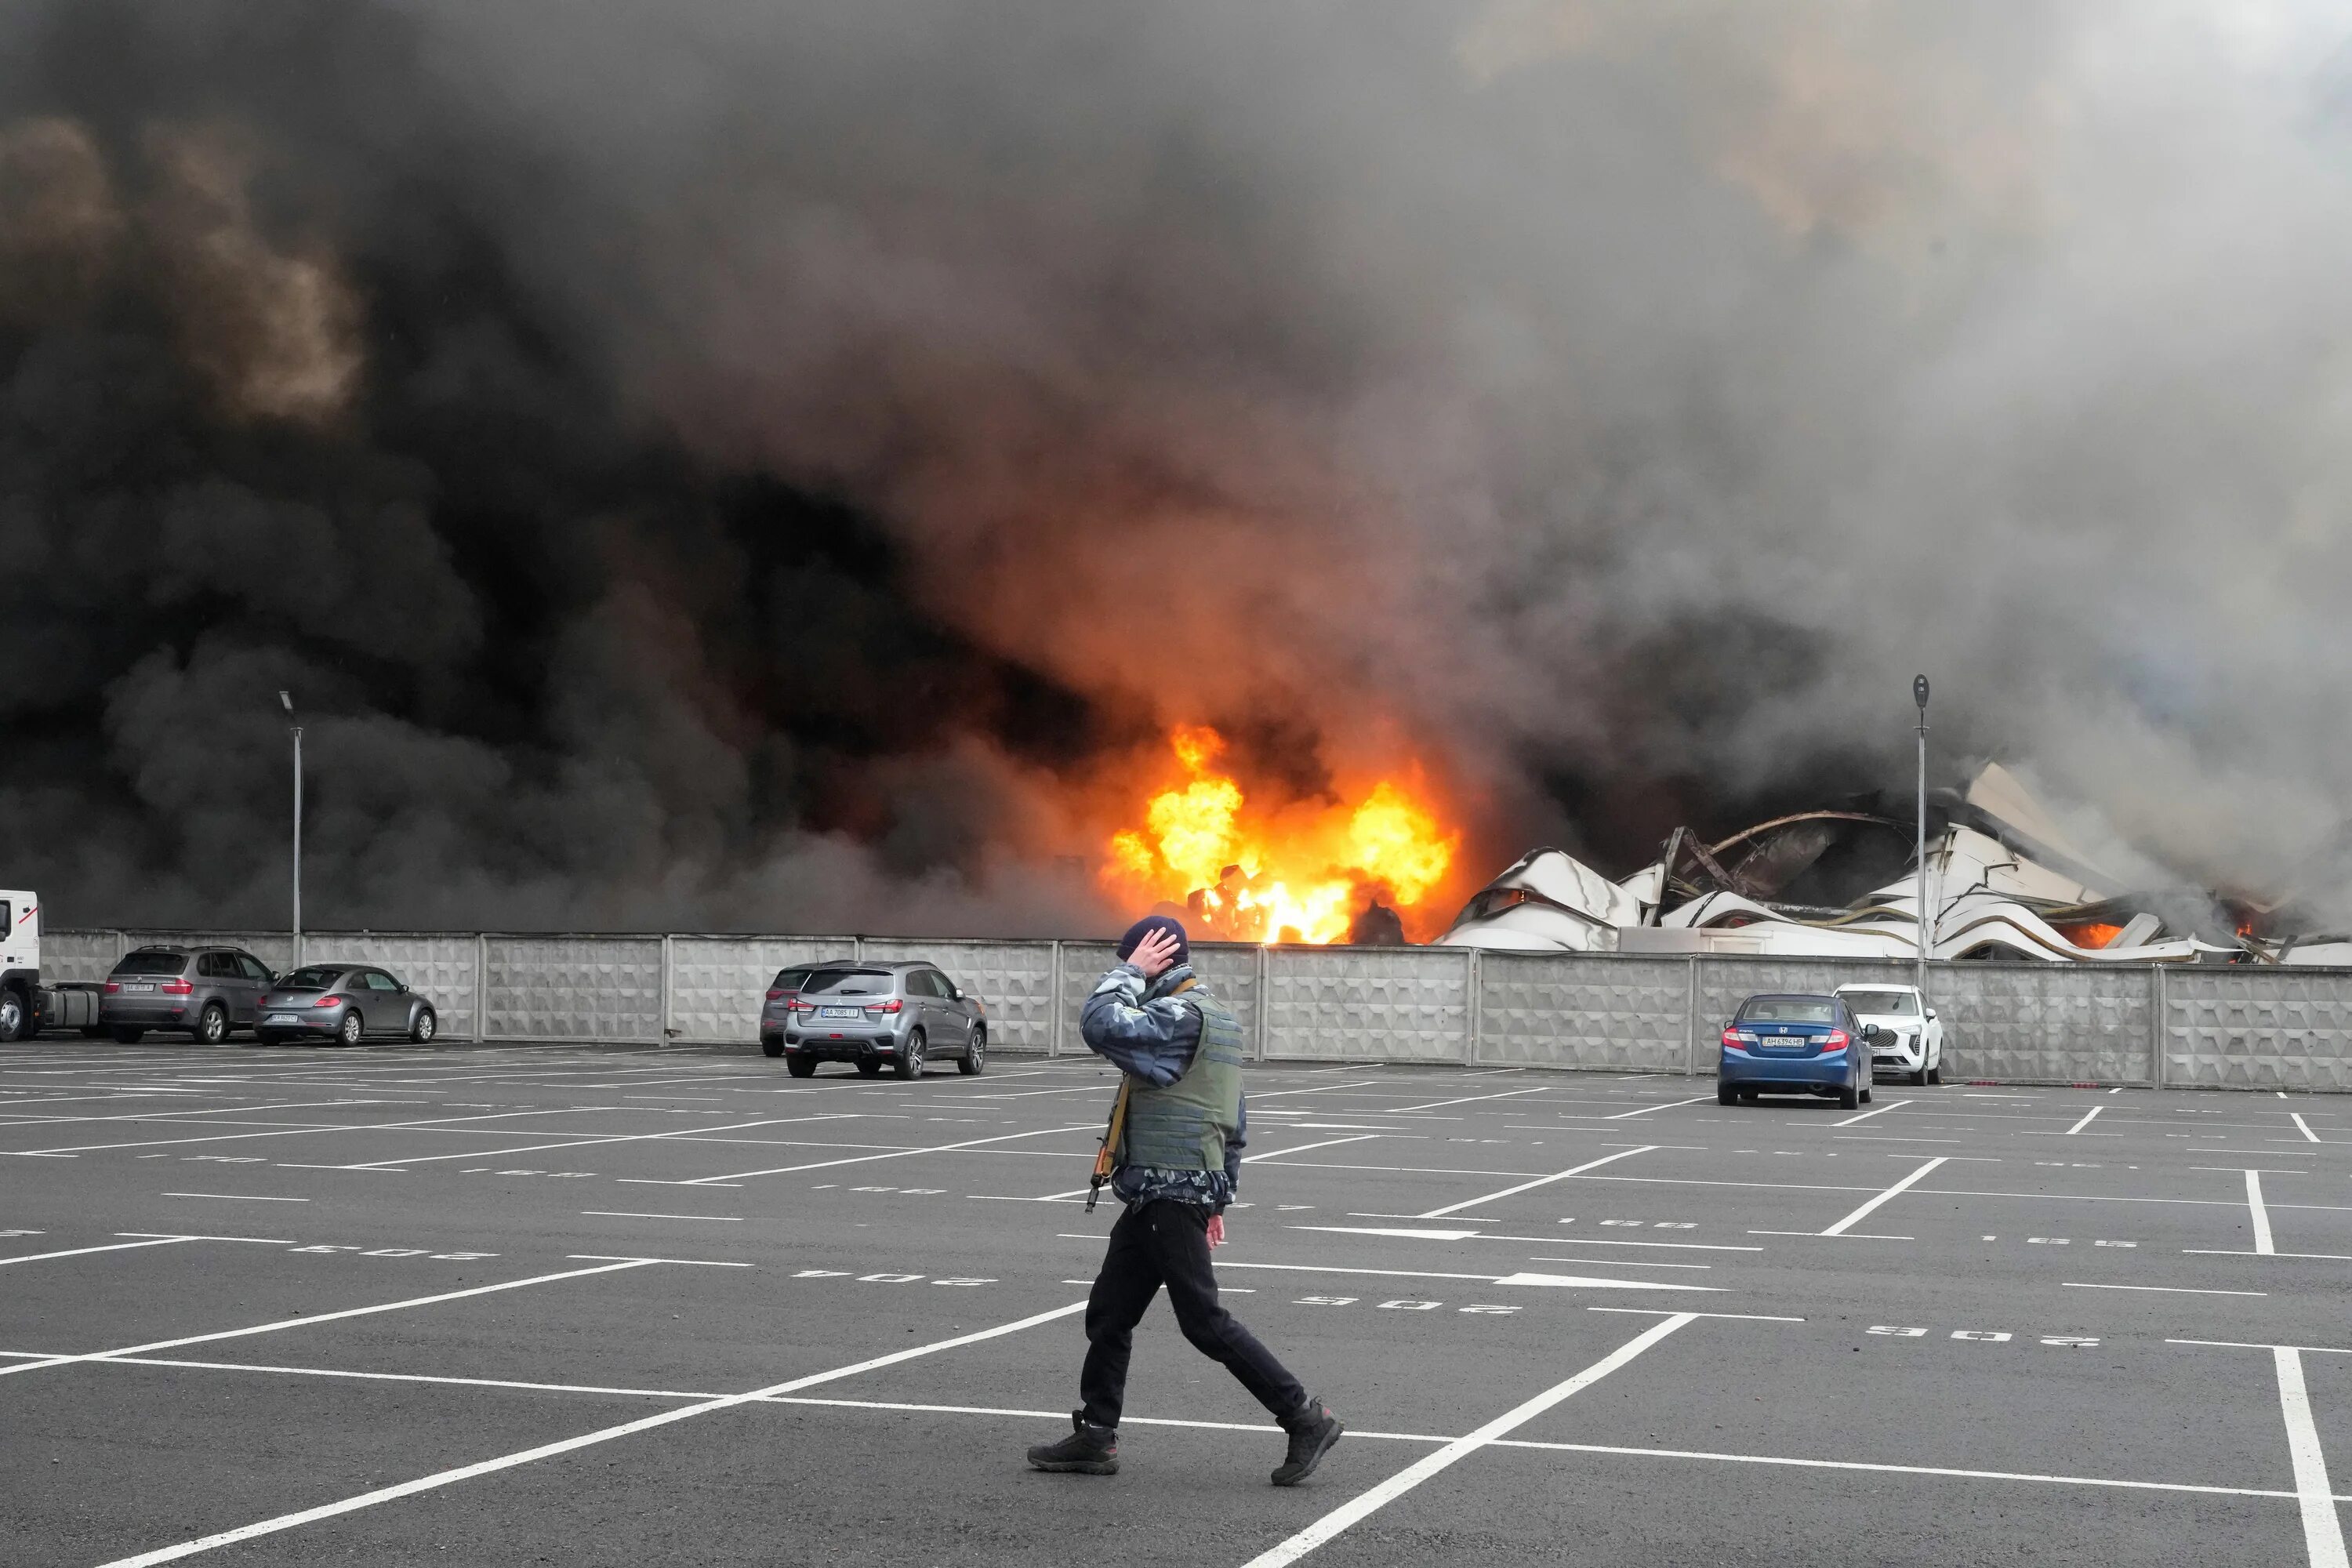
point(2261, 1216)
point(238, 1197)
point(862, 1159)
point(1367, 1503)
point(1303, 1148)
point(1471, 1098)
point(2161, 1290)
point(710, 1132)
point(2323, 1530)
point(2087, 1118)
point(1538, 1182)
point(568, 1445)
point(631, 1214)
point(304, 1322)
point(81, 1251)
point(1840, 1228)
point(1645, 1110)
point(1880, 1111)
point(2297, 1118)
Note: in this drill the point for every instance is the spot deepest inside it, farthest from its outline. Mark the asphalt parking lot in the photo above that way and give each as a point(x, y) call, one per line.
point(571, 1304)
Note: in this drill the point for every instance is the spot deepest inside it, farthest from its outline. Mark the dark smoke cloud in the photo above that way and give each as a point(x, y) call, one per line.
point(778, 465)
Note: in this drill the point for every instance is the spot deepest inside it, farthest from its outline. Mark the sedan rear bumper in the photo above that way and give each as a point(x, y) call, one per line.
point(1836, 1070)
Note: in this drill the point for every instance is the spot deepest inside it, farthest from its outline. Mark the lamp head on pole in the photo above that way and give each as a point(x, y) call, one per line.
point(286, 701)
point(1918, 691)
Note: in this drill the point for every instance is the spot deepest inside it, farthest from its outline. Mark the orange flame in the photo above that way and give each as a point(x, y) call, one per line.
point(1299, 872)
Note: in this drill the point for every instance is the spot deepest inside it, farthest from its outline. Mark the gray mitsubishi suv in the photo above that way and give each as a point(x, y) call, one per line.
point(872, 1014)
point(207, 991)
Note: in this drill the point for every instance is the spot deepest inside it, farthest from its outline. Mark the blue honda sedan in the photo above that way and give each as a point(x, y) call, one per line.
point(1794, 1045)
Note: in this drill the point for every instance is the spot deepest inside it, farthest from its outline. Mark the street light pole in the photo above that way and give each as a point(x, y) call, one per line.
point(1926, 935)
point(286, 701)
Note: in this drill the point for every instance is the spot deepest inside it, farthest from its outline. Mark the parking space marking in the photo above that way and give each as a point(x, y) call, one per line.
point(1842, 1227)
point(626, 1214)
point(2087, 1117)
point(2259, 1214)
point(305, 1322)
point(2323, 1530)
point(1472, 1099)
point(2304, 1126)
point(734, 1177)
point(84, 1251)
point(1371, 1502)
point(2161, 1290)
point(1645, 1110)
point(1878, 1110)
point(238, 1197)
point(568, 1445)
point(1530, 1186)
point(582, 1143)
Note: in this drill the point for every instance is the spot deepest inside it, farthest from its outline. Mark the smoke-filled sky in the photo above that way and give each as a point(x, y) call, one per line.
point(785, 465)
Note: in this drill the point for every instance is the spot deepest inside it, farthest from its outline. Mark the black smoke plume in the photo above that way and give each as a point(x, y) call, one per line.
point(781, 465)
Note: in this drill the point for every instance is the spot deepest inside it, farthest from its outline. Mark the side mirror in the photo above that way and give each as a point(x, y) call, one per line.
point(955, 992)
point(1873, 1035)
point(1931, 1014)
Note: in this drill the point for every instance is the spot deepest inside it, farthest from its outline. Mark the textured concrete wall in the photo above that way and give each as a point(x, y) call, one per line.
point(2221, 1027)
point(573, 988)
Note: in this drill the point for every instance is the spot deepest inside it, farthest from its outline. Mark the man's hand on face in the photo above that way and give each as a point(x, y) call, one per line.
point(1156, 954)
point(1216, 1230)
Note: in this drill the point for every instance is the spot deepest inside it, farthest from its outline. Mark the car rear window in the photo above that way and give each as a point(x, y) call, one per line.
point(1789, 1010)
point(1895, 1003)
point(847, 983)
point(789, 979)
point(152, 964)
point(317, 977)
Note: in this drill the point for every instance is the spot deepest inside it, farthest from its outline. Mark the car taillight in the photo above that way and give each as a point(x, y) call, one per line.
point(801, 1006)
point(177, 988)
point(112, 987)
point(892, 1006)
point(327, 1001)
point(1834, 1040)
point(1731, 1036)
point(777, 995)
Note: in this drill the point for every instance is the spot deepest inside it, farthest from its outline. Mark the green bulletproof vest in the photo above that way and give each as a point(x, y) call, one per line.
point(1184, 1127)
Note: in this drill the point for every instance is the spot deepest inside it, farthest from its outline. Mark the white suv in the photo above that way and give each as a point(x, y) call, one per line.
point(1914, 1036)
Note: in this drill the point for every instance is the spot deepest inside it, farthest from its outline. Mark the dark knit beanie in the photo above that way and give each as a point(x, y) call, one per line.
point(1146, 926)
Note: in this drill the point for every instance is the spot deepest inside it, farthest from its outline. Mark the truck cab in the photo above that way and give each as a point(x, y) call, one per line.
point(20, 961)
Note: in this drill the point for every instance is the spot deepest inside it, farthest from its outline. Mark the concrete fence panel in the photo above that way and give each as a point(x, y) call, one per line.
point(1560, 1010)
point(81, 956)
point(717, 984)
point(2258, 1028)
point(1372, 1003)
point(1014, 979)
point(2044, 1023)
point(573, 988)
point(440, 965)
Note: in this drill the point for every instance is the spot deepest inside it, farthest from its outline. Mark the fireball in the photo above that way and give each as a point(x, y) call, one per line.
point(1280, 870)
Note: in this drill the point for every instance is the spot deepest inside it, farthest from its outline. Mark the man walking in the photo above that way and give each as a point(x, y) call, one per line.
point(1178, 1162)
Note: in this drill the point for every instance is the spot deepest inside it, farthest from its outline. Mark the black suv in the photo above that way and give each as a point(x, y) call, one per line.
point(207, 991)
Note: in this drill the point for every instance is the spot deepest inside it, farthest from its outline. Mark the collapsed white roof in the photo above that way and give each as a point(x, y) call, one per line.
point(1994, 895)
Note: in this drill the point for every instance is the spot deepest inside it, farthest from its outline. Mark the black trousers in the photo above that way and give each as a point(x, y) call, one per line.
point(1164, 1243)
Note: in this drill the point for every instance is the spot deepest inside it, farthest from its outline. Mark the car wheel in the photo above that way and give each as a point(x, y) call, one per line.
point(1935, 1073)
point(1867, 1090)
point(427, 1025)
point(1919, 1078)
point(124, 1036)
point(12, 1017)
point(353, 1027)
point(772, 1047)
point(1725, 1095)
point(1850, 1099)
point(93, 1031)
point(800, 1067)
point(975, 1055)
point(910, 1056)
point(1746, 1097)
point(261, 1039)
point(212, 1025)
point(868, 1067)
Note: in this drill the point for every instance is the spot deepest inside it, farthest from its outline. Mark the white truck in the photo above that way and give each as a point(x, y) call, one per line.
point(26, 1007)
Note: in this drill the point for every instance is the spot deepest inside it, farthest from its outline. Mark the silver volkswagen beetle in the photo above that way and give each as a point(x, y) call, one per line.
point(345, 1002)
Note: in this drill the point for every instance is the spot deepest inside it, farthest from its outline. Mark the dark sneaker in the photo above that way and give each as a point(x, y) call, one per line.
point(1312, 1431)
point(1088, 1450)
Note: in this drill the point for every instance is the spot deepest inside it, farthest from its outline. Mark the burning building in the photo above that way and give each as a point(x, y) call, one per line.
point(2003, 881)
